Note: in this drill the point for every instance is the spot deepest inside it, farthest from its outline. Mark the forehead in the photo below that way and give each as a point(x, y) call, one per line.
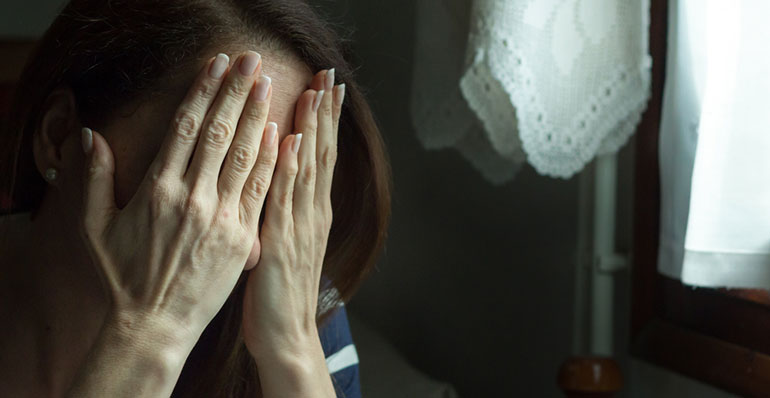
point(290, 78)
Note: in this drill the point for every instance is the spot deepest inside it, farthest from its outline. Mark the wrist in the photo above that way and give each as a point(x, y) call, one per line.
point(166, 344)
point(294, 366)
point(283, 347)
point(130, 358)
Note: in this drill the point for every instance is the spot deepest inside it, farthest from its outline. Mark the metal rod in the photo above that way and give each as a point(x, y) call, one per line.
point(602, 288)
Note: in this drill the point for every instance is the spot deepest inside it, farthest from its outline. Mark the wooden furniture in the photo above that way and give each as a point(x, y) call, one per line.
point(717, 336)
point(587, 377)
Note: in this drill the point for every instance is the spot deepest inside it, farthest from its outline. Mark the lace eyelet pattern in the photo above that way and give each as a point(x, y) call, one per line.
point(550, 83)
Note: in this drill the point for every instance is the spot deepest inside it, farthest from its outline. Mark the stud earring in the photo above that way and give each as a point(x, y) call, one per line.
point(50, 174)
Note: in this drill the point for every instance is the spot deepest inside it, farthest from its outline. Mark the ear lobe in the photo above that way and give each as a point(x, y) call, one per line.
point(59, 119)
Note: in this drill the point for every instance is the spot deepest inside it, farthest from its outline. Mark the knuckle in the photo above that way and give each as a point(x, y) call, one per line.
point(326, 111)
point(254, 116)
point(290, 169)
point(235, 88)
point(236, 238)
point(329, 157)
point(186, 126)
point(204, 90)
point(258, 185)
point(93, 171)
point(217, 132)
point(307, 174)
point(224, 218)
point(160, 197)
point(196, 206)
point(243, 157)
point(285, 198)
point(265, 161)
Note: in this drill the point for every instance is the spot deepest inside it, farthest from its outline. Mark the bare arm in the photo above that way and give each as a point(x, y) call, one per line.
point(299, 371)
point(131, 359)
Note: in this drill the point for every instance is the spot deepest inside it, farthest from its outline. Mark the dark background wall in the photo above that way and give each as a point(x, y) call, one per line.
point(475, 285)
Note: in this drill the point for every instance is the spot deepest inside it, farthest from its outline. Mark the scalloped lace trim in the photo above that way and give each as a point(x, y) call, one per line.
point(552, 83)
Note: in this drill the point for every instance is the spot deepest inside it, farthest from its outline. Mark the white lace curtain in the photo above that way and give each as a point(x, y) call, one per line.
point(549, 82)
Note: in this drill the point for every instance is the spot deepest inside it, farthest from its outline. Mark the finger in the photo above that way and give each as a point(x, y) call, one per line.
point(306, 122)
point(219, 125)
point(255, 190)
point(326, 146)
point(280, 196)
point(339, 99)
point(246, 144)
point(179, 143)
point(319, 81)
point(98, 193)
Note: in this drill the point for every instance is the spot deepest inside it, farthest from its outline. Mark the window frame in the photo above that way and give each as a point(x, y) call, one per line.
point(717, 336)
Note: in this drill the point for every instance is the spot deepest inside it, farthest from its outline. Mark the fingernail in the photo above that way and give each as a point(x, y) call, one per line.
point(87, 139)
point(263, 86)
point(249, 63)
point(219, 66)
point(341, 93)
point(317, 100)
point(295, 144)
point(272, 127)
point(329, 79)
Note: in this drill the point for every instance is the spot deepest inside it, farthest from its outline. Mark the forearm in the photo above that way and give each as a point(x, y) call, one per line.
point(130, 362)
point(298, 371)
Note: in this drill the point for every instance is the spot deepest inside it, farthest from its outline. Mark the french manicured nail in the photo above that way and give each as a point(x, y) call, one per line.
point(295, 144)
point(317, 100)
point(219, 66)
point(249, 63)
point(263, 86)
point(272, 127)
point(340, 93)
point(87, 139)
point(329, 79)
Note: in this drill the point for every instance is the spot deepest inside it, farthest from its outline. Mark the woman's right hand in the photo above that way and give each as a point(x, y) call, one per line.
point(173, 254)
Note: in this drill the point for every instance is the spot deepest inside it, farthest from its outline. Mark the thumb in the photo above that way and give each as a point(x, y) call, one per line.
point(98, 193)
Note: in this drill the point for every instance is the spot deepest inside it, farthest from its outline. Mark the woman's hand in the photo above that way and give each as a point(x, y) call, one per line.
point(172, 256)
point(281, 297)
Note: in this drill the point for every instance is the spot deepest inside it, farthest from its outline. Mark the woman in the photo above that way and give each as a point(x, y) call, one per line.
point(172, 169)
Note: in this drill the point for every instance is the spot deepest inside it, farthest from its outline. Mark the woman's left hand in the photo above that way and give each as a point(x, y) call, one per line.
point(281, 297)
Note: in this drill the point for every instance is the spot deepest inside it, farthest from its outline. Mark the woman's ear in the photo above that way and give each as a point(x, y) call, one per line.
point(58, 121)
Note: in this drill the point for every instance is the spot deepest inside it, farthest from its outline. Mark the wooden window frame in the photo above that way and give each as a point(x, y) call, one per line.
point(717, 336)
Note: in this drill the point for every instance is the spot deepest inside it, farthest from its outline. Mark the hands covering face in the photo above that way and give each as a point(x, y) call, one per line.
point(172, 255)
point(282, 292)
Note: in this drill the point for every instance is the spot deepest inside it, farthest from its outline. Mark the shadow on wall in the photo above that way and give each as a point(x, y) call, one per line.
point(475, 285)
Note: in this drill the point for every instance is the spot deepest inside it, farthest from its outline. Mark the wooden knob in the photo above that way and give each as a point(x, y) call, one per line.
point(590, 377)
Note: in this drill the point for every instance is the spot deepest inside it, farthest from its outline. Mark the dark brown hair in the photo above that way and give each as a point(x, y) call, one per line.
point(117, 52)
